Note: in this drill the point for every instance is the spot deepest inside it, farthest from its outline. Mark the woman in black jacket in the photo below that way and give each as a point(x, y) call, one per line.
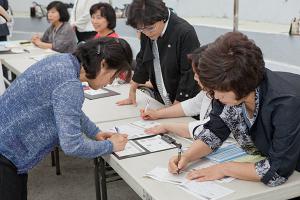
point(166, 39)
point(258, 106)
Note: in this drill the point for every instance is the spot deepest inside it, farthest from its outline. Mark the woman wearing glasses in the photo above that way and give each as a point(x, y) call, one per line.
point(42, 109)
point(166, 40)
point(258, 106)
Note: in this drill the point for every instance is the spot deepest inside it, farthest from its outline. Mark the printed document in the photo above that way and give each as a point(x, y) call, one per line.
point(155, 143)
point(130, 148)
point(207, 190)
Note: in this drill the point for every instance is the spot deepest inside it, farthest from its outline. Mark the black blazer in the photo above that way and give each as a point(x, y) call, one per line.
point(3, 27)
point(179, 40)
point(276, 130)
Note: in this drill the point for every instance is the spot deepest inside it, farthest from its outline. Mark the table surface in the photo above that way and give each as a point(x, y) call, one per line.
point(133, 169)
point(107, 114)
point(106, 109)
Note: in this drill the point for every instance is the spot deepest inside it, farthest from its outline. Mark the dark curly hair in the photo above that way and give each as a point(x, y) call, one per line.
point(231, 63)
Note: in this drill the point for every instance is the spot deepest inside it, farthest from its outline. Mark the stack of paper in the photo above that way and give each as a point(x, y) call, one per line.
point(162, 174)
point(205, 190)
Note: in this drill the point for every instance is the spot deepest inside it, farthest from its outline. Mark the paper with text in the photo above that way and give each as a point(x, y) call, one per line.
point(207, 190)
point(130, 149)
point(155, 143)
point(133, 132)
point(145, 123)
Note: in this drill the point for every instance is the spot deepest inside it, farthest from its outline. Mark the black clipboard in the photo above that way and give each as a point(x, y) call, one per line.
point(97, 96)
point(165, 138)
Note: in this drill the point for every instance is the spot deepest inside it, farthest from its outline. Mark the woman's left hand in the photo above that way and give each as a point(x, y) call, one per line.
point(103, 135)
point(214, 172)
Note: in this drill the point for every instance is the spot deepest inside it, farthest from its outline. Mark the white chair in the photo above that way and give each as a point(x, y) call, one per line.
point(2, 85)
point(282, 67)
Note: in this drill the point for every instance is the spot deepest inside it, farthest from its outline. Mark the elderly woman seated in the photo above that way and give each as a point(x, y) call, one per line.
point(60, 36)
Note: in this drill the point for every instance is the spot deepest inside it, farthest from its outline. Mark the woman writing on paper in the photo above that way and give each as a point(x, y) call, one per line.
point(42, 109)
point(199, 105)
point(258, 106)
point(59, 36)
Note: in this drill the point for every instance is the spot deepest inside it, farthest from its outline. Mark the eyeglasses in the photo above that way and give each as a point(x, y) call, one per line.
point(147, 29)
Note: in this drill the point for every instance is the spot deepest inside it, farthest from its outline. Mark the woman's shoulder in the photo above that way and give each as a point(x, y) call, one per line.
point(114, 35)
point(67, 26)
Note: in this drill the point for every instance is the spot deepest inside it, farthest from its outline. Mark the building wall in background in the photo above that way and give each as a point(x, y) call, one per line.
point(274, 11)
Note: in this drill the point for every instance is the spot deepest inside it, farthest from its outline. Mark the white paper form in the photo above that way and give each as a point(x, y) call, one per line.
point(162, 174)
point(95, 92)
point(133, 132)
point(207, 190)
point(155, 143)
point(130, 149)
point(145, 123)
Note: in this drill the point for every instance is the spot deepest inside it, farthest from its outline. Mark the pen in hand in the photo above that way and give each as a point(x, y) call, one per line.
point(117, 129)
point(147, 104)
point(179, 156)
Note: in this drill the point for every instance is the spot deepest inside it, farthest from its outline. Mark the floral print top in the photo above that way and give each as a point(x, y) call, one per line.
point(239, 124)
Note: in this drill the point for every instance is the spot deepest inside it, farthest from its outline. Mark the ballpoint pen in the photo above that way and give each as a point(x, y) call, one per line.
point(147, 104)
point(179, 156)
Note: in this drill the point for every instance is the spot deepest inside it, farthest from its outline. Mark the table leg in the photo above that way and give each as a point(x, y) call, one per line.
point(100, 179)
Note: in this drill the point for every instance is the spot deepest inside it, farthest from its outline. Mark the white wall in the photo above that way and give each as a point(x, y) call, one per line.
point(275, 11)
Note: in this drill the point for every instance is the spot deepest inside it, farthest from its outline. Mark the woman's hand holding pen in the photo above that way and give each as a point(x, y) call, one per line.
point(175, 166)
point(119, 141)
point(156, 129)
point(149, 114)
point(103, 135)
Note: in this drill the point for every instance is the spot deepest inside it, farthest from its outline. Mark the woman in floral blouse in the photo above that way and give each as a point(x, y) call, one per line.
point(258, 106)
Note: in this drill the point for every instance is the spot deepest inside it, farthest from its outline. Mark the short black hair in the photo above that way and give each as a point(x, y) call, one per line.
point(146, 12)
point(194, 57)
point(107, 12)
point(61, 8)
point(115, 51)
point(231, 63)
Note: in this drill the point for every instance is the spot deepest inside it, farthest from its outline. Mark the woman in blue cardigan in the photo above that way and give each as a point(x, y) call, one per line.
point(258, 106)
point(43, 108)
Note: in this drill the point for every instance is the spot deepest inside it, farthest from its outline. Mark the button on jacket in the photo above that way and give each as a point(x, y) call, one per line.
point(179, 40)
